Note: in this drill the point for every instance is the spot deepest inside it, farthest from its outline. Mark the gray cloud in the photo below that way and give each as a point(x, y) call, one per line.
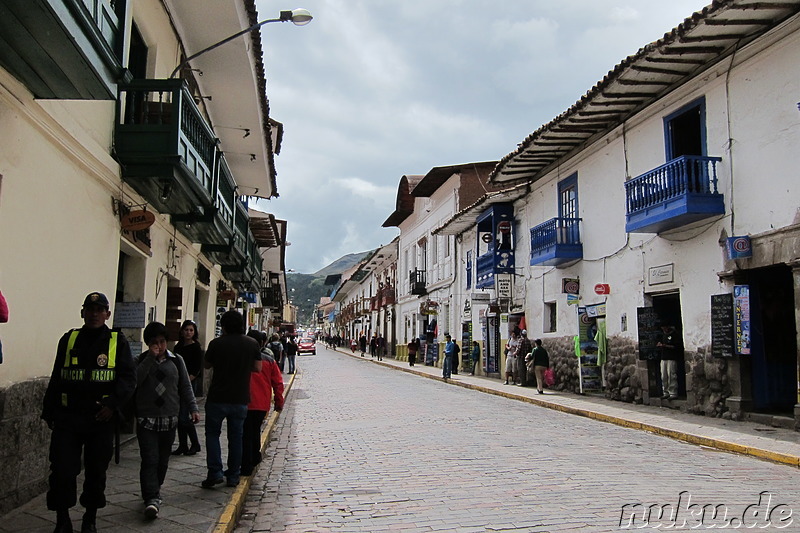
point(371, 90)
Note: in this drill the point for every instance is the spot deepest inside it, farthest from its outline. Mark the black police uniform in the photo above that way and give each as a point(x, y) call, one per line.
point(94, 375)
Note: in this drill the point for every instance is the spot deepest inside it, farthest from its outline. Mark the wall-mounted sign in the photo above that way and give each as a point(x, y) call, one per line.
point(602, 288)
point(741, 318)
point(739, 247)
point(661, 274)
point(570, 286)
point(129, 315)
point(137, 220)
point(722, 325)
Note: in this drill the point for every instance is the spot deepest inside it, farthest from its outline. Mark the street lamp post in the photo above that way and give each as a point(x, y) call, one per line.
point(299, 17)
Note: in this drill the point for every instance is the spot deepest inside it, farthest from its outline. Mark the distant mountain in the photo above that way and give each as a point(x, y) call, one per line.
point(305, 290)
point(342, 264)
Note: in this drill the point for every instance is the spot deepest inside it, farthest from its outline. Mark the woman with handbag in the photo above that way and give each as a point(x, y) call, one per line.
point(541, 362)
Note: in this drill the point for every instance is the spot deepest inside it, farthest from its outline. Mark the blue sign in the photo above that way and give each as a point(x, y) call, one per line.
point(739, 247)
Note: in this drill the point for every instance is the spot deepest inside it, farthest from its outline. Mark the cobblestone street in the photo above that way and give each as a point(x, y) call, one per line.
point(361, 447)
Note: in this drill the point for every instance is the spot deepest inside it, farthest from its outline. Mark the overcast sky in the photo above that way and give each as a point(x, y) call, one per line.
point(371, 90)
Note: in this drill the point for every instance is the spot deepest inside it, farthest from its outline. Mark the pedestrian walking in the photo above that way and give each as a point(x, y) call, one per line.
point(264, 386)
point(353, 346)
point(456, 358)
point(233, 356)
point(93, 376)
point(362, 342)
point(291, 353)
point(276, 347)
point(449, 351)
point(413, 348)
point(162, 387)
point(381, 346)
point(188, 347)
point(476, 355)
point(540, 362)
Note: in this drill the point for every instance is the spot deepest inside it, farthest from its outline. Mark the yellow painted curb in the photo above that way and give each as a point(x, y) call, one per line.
point(230, 514)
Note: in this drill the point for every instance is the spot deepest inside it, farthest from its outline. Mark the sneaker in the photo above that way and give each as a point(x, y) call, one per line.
point(232, 482)
point(151, 509)
point(672, 397)
point(506, 383)
point(209, 483)
point(665, 396)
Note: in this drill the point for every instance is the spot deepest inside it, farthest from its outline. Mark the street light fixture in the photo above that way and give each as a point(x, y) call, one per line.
point(299, 17)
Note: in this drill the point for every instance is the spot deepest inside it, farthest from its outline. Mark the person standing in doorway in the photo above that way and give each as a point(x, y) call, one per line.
point(511, 357)
point(476, 356)
point(93, 376)
point(188, 347)
point(233, 356)
point(449, 352)
point(669, 346)
point(162, 388)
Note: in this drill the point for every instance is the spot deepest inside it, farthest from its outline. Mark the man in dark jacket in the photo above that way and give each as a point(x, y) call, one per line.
point(93, 376)
point(233, 357)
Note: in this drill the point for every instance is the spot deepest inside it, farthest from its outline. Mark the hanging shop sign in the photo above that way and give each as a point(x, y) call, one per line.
point(570, 286)
point(739, 247)
point(429, 307)
point(503, 285)
point(137, 220)
point(602, 288)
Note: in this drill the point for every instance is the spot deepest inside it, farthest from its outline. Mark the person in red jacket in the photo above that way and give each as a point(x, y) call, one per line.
point(263, 386)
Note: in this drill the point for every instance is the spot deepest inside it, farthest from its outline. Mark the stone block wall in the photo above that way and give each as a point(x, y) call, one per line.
point(707, 384)
point(24, 442)
point(623, 379)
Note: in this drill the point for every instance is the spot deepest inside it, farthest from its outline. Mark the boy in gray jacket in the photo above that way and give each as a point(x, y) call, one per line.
point(162, 383)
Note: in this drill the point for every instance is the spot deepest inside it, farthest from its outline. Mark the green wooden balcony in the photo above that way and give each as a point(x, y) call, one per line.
point(64, 49)
point(213, 226)
point(167, 151)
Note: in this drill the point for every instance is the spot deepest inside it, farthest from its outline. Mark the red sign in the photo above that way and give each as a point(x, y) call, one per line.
point(138, 220)
point(602, 288)
point(504, 227)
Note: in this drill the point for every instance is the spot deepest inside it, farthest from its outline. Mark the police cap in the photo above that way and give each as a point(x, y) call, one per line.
point(96, 298)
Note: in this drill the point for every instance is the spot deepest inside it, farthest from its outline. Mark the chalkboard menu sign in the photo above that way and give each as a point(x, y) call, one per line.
point(722, 325)
point(649, 330)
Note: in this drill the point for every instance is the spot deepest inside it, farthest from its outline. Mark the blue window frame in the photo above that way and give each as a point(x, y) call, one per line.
point(568, 197)
point(685, 130)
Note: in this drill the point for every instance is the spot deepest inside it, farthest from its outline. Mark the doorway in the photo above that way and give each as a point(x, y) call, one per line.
point(773, 349)
point(668, 310)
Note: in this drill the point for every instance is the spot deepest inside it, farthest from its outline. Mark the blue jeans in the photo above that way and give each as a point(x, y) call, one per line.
point(447, 366)
point(291, 358)
point(235, 415)
point(155, 447)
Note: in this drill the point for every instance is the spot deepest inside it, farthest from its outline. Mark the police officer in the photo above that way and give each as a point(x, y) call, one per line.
point(93, 376)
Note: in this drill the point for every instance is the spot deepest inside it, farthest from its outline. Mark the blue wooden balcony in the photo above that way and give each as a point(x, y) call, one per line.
point(673, 195)
point(556, 242)
point(64, 49)
point(485, 271)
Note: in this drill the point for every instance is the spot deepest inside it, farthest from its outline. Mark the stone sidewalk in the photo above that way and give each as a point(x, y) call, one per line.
point(775, 444)
point(186, 508)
